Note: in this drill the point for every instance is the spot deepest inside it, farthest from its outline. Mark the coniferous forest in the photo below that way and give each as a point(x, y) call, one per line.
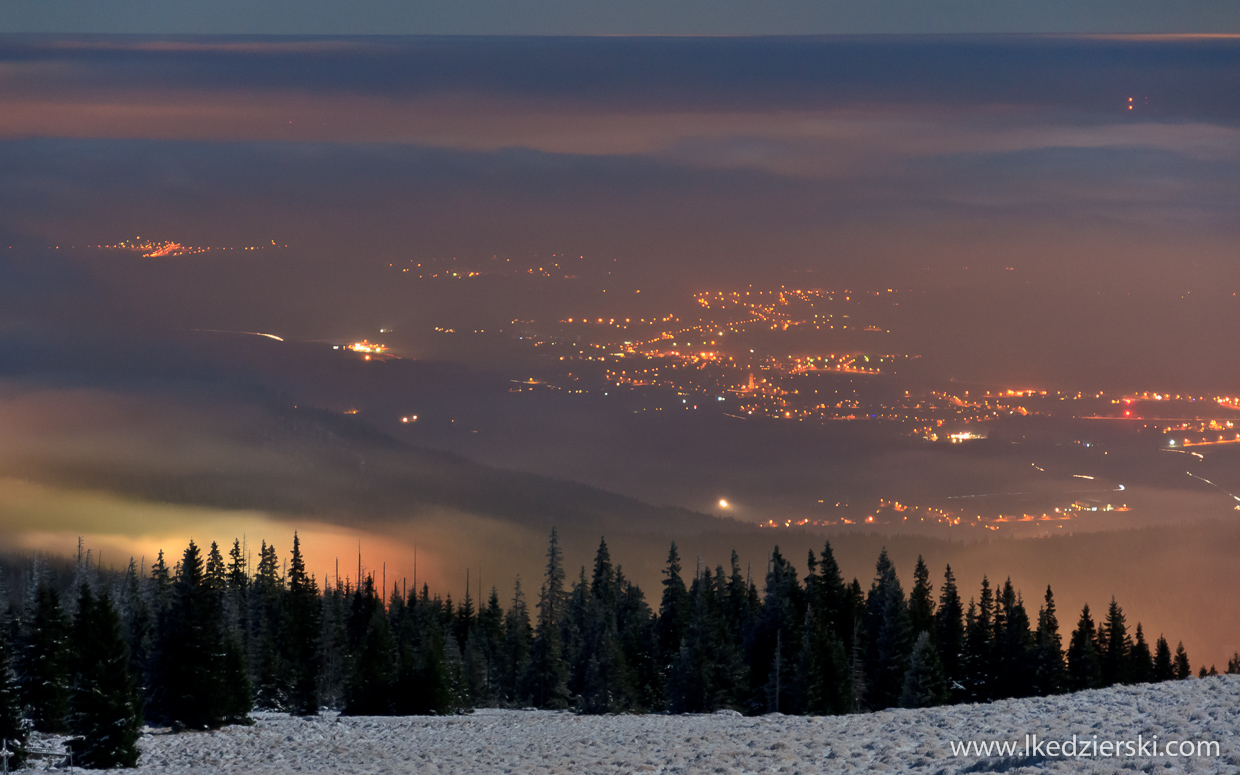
point(200, 642)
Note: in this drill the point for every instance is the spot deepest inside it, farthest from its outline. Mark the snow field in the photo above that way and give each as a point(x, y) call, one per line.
point(899, 741)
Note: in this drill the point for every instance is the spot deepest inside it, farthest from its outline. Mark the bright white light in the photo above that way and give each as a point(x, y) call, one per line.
point(723, 504)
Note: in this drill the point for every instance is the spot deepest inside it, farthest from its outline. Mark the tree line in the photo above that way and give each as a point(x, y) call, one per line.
point(201, 643)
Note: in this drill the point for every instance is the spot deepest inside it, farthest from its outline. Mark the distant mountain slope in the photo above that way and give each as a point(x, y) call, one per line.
point(300, 462)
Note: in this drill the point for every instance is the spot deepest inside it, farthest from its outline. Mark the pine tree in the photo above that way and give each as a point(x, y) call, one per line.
point(104, 707)
point(13, 733)
point(921, 600)
point(1233, 664)
point(950, 635)
point(1050, 674)
point(1182, 668)
point(1084, 665)
point(546, 682)
point(924, 685)
point(45, 663)
point(1140, 667)
point(1164, 665)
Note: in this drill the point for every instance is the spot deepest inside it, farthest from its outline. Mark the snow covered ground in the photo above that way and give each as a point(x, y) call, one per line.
point(901, 741)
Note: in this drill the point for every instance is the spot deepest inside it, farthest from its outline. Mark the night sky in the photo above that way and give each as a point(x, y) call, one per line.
point(636, 17)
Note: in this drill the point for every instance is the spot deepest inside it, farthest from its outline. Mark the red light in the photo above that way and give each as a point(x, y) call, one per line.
point(1128, 414)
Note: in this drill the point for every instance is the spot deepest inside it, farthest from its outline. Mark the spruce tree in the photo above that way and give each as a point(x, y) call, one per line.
point(921, 600)
point(1182, 668)
point(573, 633)
point(673, 610)
point(299, 637)
point(1164, 665)
point(1013, 646)
point(979, 659)
point(547, 680)
point(334, 646)
point(775, 654)
point(1140, 667)
point(45, 664)
point(370, 689)
point(214, 574)
point(139, 626)
point(1114, 646)
point(605, 686)
point(465, 616)
point(104, 707)
point(825, 664)
point(238, 690)
point(157, 594)
point(1233, 664)
point(1084, 664)
point(708, 673)
point(888, 636)
point(192, 650)
point(924, 685)
point(1050, 674)
point(518, 637)
point(238, 577)
point(491, 637)
point(834, 600)
point(266, 614)
point(635, 628)
point(13, 732)
point(238, 693)
point(950, 635)
point(160, 587)
point(237, 600)
point(434, 689)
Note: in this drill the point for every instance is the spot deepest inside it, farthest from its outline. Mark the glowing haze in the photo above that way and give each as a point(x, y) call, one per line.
point(448, 292)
